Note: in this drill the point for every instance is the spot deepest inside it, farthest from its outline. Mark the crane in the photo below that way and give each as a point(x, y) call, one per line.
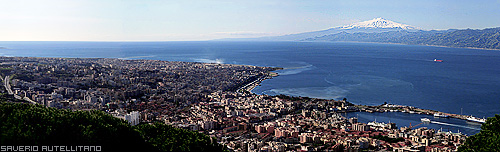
point(411, 127)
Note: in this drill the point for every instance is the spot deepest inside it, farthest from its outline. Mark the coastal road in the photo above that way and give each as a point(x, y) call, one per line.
point(250, 86)
point(7, 85)
point(9, 90)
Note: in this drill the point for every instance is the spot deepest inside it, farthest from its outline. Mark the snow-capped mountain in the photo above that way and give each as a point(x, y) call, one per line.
point(376, 25)
point(379, 23)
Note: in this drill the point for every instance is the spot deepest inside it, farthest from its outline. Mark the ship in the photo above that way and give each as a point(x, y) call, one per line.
point(440, 115)
point(436, 60)
point(474, 119)
point(425, 120)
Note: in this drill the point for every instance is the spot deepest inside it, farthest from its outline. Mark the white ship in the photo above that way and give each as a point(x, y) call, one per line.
point(425, 120)
point(474, 119)
point(440, 115)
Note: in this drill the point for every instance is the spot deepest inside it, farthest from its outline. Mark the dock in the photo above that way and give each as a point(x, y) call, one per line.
point(407, 109)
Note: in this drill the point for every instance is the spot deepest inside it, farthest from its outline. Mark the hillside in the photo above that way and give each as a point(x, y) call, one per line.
point(486, 38)
point(376, 25)
point(36, 125)
point(385, 31)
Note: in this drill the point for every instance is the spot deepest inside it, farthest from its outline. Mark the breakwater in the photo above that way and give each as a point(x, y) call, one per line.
point(409, 109)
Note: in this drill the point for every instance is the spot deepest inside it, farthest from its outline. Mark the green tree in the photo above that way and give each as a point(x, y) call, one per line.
point(167, 138)
point(488, 139)
point(26, 124)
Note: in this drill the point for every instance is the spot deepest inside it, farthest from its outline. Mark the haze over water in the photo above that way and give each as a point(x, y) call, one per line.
point(364, 73)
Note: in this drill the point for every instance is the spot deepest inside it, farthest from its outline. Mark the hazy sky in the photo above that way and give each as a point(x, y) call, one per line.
point(186, 20)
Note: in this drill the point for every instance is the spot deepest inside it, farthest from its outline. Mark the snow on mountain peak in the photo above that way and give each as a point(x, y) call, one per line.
point(379, 23)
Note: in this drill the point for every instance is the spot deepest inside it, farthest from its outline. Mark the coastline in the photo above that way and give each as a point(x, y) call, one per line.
point(314, 115)
point(248, 87)
point(366, 108)
point(408, 109)
point(442, 46)
point(383, 108)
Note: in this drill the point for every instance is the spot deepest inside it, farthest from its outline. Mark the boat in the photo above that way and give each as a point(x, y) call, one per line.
point(440, 115)
point(474, 119)
point(376, 124)
point(436, 60)
point(425, 120)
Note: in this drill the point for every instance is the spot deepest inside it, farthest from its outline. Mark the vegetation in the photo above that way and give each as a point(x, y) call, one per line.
point(167, 138)
point(5, 69)
point(488, 139)
point(4, 96)
point(26, 124)
point(487, 38)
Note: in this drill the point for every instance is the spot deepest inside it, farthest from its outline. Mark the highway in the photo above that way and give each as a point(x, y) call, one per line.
point(7, 85)
point(9, 90)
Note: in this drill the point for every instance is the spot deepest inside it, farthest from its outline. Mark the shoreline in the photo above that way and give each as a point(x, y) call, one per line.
point(251, 85)
point(379, 108)
point(408, 109)
point(386, 107)
point(410, 44)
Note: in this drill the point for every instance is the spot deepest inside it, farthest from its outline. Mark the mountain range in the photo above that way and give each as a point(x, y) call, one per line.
point(385, 31)
point(468, 38)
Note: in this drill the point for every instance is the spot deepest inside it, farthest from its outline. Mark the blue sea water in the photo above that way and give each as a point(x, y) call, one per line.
point(364, 73)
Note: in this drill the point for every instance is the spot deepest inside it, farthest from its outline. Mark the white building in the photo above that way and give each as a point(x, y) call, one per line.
point(133, 118)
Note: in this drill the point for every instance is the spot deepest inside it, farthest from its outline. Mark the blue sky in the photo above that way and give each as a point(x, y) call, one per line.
point(188, 20)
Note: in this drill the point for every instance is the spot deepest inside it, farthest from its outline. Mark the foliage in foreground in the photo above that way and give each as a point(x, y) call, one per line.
point(160, 136)
point(26, 124)
point(488, 139)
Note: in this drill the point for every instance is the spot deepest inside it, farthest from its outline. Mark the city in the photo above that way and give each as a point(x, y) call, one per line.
point(214, 99)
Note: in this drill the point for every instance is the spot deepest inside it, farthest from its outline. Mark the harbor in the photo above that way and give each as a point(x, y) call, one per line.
point(413, 110)
point(414, 121)
point(415, 118)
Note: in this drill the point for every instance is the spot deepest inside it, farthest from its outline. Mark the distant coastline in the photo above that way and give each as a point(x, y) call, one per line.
point(442, 46)
point(466, 38)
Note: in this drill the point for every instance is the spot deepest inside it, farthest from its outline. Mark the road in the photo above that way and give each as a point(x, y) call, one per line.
point(7, 85)
point(9, 90)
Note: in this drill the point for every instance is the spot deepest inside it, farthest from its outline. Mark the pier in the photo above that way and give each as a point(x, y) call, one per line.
point(250, 86)
point(407, 109)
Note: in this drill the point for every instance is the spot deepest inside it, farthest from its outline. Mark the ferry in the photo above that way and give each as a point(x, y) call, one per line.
point(440, 115)
point(436, 60)
point(474, 119)
point(425, 120)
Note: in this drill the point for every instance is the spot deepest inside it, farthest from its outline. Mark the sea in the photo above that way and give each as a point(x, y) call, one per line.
point(466, 82)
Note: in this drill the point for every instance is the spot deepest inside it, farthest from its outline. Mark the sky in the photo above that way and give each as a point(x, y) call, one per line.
point(195, 20)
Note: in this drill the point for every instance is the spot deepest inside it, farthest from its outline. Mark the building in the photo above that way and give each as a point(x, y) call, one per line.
point(360, 127)
point(133, 118)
